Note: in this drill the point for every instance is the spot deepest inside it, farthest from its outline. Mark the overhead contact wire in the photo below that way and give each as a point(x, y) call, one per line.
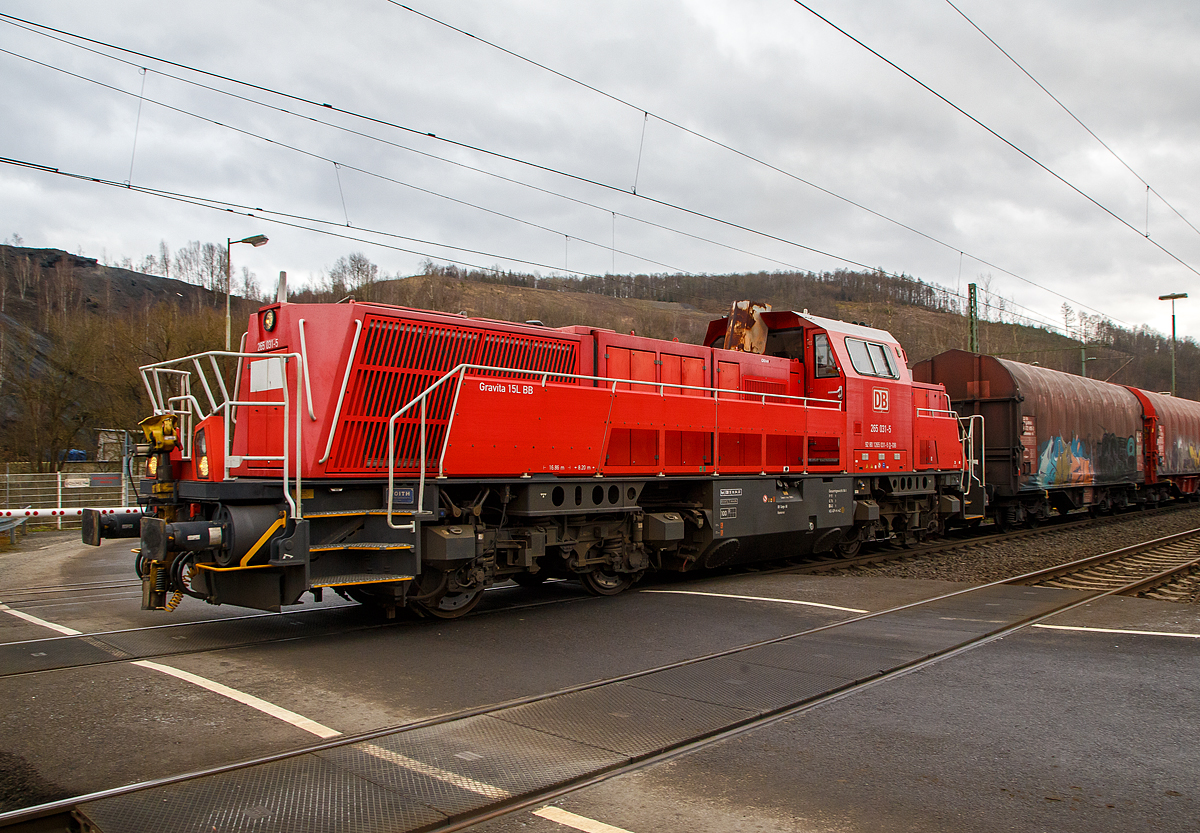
point(1006, 141)
point(536, 166)
point(336, 165)
point(741, 153)
point(1079, 121)
point(271, 216)
point(33, 29)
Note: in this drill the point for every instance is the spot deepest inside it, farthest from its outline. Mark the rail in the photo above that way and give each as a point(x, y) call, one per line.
point(187, 408)
point(459, 373)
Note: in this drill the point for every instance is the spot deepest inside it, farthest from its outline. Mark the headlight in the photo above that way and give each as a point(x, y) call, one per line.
point(152, 467)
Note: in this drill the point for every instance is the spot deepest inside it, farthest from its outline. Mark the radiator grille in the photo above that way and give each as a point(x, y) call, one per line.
point(398, 359)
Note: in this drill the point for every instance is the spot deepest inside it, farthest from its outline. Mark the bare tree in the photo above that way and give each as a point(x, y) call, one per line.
point(355, 273)
point(212, 267)
point(187, 263)
point(248, 285)
point(164, 258)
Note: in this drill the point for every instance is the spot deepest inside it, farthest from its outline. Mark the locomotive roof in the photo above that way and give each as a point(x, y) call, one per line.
point(790, 319)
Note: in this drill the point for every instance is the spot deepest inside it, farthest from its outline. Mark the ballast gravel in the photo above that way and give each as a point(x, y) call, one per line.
point(1046, 548)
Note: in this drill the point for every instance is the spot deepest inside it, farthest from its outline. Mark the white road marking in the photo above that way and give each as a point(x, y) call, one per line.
point(460, 781)
point(567, 819)
point(1118, 630)
point(291, 717)
point(758, 599)
point(36, 621)
point(297, 720)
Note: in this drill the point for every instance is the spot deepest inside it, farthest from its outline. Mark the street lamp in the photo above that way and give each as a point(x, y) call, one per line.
point(1172, 298)
point(256, 241)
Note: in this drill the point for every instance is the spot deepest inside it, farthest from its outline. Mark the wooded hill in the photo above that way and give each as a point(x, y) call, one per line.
point(73, 331)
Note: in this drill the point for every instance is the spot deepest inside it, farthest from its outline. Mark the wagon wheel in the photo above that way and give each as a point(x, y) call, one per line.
point(451, 605)
point(601, 582)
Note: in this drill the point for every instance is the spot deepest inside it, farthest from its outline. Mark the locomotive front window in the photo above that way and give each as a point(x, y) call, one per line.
point(871, 359)
point(824, 365)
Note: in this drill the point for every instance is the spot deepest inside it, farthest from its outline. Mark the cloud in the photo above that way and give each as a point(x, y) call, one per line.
point(763, 76)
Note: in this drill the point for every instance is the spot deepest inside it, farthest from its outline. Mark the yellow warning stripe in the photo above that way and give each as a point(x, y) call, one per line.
point(259, 543)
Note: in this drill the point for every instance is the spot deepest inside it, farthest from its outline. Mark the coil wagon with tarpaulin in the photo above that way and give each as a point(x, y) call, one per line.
point(1171, 444)
point(1051, 440)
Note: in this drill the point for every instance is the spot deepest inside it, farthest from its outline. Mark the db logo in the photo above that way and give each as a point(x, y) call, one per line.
point(881, 399)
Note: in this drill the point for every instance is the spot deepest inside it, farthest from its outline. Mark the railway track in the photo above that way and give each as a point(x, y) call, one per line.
point(1169, 565)
point(972, 539)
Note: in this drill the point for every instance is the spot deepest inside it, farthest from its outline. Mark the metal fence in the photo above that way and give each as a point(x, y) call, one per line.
point(66, 490)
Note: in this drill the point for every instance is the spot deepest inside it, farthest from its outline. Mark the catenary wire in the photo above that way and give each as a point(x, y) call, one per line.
point(1006, 141)
point(425, 154)
point(286, 220)
point(295, 149)
point(270, 216)
point(743, 154)
point(534, 165)
point(692, 212)
point(1079, 121)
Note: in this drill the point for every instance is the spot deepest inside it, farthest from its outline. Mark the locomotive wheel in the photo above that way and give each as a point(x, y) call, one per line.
point(451, 605)
point(849, 547)
point(605, 582)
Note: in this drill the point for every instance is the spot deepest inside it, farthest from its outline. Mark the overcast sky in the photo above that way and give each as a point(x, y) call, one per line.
point(764, 77)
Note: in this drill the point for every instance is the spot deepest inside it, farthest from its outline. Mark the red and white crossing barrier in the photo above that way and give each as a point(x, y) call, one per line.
point(65, 512)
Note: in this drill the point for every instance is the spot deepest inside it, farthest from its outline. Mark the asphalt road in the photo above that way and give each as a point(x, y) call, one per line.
point(1046, 730)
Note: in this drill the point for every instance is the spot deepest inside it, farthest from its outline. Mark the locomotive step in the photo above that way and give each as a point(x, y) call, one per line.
point(357, 578)
point(362, 546)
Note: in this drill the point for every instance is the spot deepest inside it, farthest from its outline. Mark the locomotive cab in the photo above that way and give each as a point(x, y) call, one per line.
point(899, 437)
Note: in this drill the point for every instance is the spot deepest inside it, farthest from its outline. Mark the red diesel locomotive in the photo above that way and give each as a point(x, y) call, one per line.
point(403, 457)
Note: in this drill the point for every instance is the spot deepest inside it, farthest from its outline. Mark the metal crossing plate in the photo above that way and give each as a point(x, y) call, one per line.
point(300, 794)
point(415, 778)
point(624, 719)
point(466, 764)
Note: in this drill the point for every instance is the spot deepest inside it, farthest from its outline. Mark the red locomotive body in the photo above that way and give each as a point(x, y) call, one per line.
point(405, 457)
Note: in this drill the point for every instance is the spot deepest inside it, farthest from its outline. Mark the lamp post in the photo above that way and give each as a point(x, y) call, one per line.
point(255, 241)
point(1172, 298)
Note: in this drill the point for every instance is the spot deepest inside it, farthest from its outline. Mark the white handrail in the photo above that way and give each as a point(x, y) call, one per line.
point(304, 362)
point(204, 383)
point(337, 412)
point(151, 377)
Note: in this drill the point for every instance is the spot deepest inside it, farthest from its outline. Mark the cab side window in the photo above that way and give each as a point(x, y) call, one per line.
point(824, 365)
point(871, 359)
